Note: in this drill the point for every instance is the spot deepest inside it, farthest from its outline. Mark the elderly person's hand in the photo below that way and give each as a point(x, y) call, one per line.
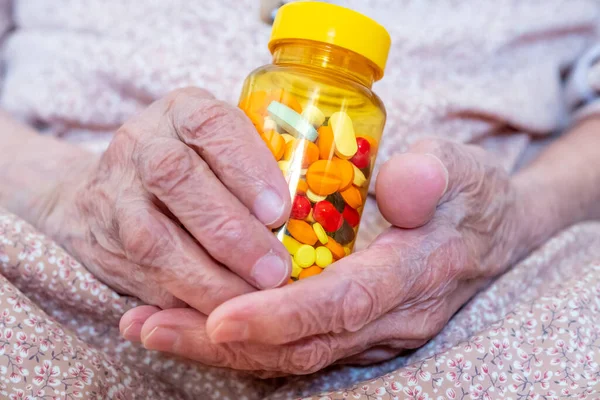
point(177, 209)
point(457, 224)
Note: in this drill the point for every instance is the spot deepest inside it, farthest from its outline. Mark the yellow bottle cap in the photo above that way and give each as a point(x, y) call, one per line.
point(335, 25)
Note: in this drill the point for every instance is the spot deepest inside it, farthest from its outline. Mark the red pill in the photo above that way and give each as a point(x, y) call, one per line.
point(362, 157)
point(326, 214)
point(300, 208)
point(351, 216)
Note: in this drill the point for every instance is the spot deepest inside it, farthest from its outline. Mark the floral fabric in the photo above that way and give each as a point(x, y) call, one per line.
point(534, 333)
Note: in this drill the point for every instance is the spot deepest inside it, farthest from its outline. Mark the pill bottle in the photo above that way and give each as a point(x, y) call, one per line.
point(315, 110)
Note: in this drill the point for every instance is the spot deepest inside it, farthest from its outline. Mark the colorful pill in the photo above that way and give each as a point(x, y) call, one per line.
point(300, 208)
point(305, 256)
point(311, 271)
point(284, 166)
point(322, 178)
point(352, 197)
point(302, 231)
point(343, 135)
point(337, 200)
point(345, 234)
point(325, 213)
point(292, 122)
point(345, 171)
point(362, 158)
point(287, 137)
point(325, 143)
point(336, 249)
point(347, 250)
point(313, 115)
point(323, 257)
point(270, 125)
point(291, 244)
point(310, 217)
point(359, 178)
point(302, 187)
point(320, 232)
point(315, 198)
point(351, 216)
point(296, 269)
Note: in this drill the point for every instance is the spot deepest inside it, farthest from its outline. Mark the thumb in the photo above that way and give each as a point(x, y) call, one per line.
point(410, 186)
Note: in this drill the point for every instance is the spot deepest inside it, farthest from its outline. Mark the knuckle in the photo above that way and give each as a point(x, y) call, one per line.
point(309, 356)
point(144, 239)
point(228, 228)
point(210, 118)
point(166, 170)
point(359, 305)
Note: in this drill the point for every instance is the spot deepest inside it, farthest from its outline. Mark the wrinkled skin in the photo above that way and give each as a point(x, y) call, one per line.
point(175, 210)
point(458, 221)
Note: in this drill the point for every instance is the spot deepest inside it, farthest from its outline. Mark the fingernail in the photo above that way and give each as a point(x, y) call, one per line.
point(268, 206)
point(133, 332)
point(270, 271)
point(446, 174)
point(161, 339)
point(230, 331)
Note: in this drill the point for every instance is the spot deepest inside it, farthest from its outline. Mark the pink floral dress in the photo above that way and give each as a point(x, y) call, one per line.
point(473, 71)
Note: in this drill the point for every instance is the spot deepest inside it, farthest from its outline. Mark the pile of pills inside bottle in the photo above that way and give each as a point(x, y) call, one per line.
point(331, 184)
point(315, 110)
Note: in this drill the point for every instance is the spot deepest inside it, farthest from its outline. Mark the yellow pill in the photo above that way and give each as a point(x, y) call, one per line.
point(315, 198)
point(323, 257)
point(320, 232)
point(347, 250)
point(313, 115)
point(291, 244)
point(343, 135)
point(305, 256)
point(295, 269)
point(284, 166)
point(359, 178)
point(310, 217)
point(287, 137)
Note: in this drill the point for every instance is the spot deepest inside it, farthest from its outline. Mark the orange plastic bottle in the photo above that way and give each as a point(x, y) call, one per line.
point(315, 110)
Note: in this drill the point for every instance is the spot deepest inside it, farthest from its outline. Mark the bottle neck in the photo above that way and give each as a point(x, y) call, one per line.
point(322, 55)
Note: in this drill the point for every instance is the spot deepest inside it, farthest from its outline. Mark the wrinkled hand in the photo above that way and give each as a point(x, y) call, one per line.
point(455, 228)
point(176, 210)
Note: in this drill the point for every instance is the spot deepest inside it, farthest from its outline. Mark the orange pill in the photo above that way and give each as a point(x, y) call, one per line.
point(275, 142)
point(322, 178)
point(302, 187)
point(302, 231)
point(345, 171)
point(310, 155)
point(336, 249)
point(290, 281)
point(310, 271)
point(325, 143)
point(352, 197)
point(254, 102)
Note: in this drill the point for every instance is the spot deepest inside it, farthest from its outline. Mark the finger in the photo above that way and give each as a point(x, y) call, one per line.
point(181, 180)
point(182, 332)
point(372, 356)
point(346, 296)
point(409, 187)
point(228, 142)
point(402, 267)
point(169, 258)
point(132, 321)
